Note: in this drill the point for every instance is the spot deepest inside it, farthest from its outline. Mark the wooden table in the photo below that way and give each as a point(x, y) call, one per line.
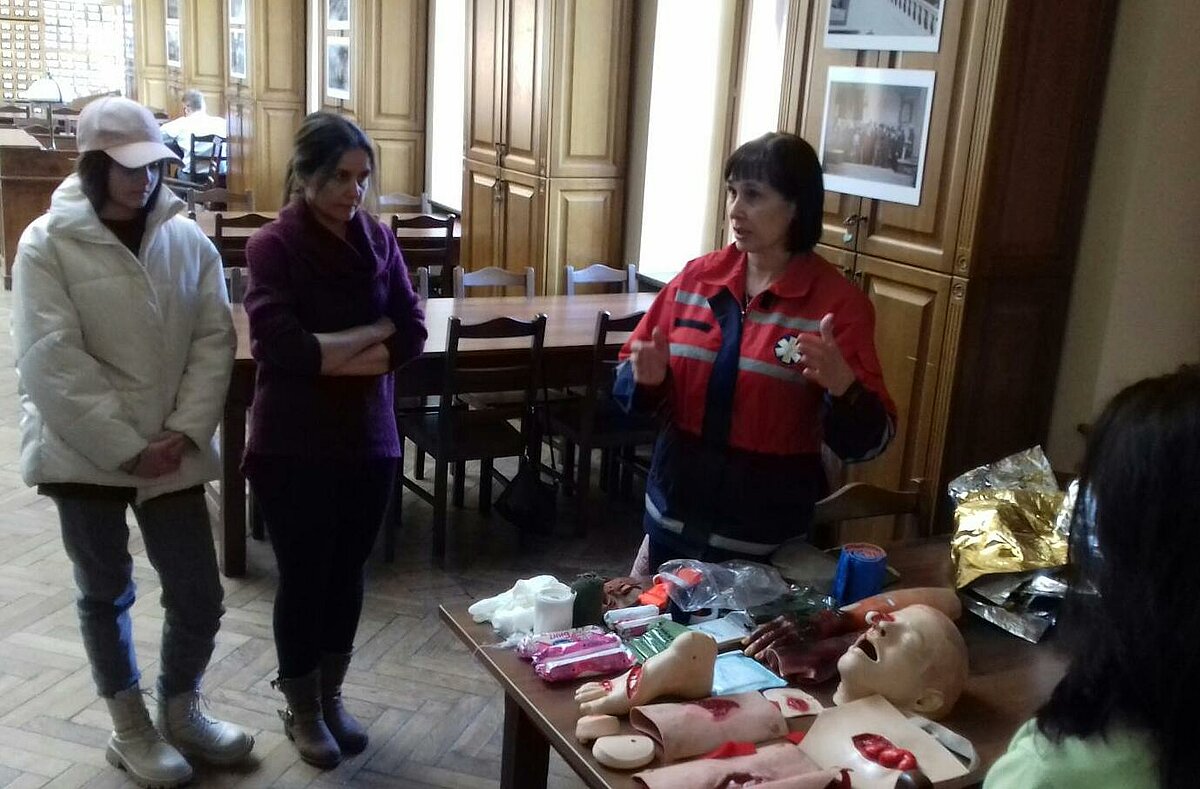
point(1009, 679)
point(570, 331)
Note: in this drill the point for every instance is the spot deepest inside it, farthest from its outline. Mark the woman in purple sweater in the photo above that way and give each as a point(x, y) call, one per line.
point(332, 314)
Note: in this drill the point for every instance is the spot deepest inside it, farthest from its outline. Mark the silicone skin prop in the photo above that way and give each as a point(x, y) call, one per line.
point(915, 658)
point(684, 670)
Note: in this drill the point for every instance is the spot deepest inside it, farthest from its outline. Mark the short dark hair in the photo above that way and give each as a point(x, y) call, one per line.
point(790, 166)
point(320, 142)
point(1132, 616)
point(92, 168)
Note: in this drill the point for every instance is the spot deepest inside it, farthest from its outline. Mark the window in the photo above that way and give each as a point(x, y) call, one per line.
point(762, 69)
point(686, 132)
point(447, 80)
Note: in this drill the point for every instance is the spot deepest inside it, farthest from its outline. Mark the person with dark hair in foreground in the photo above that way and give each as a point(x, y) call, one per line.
point(1124, 714)
point(124, 349)
point(759, 352)
point(332, 313)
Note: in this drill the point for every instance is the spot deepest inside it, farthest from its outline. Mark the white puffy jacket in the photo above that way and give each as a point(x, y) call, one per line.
point(112, 349)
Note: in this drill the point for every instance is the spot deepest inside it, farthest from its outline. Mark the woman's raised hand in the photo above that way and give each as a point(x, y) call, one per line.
point(822, 361)
point(650, 359)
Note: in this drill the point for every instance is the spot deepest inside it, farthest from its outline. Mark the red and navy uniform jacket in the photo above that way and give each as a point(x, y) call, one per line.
point(738, 467)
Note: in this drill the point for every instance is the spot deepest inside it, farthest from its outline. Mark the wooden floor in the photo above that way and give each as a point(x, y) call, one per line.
point(435, 716)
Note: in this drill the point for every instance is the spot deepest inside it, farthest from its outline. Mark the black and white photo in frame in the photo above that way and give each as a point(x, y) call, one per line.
point(172, 11)
point(337, 67)
point(237, 53)
point(237, 12)
point(875, 131)
point(337, 15)
point(174, 45)
point(887, 25)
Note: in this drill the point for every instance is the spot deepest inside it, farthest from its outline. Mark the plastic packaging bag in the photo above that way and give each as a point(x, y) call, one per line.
point(734, 585)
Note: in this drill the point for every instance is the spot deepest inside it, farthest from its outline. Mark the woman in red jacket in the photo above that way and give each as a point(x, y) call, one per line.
point(759, 353)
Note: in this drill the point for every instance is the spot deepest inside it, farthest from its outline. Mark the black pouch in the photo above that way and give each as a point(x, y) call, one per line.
point(529, 502)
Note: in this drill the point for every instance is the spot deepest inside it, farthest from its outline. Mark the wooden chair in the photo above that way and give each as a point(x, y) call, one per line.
point(14, 112)
point(426, 241)
point(217, 198)
point(159, 115)
point(233, 246)
point(600, 273)
point(39, 133)
point(860, 500)
point(208, 158)
point(454, 435)
point(492, 277)
point(595, 421)
point(422, 284)
point(236, 282)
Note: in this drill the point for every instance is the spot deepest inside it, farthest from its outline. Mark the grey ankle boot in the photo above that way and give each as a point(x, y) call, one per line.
point(137, 748)
point(350, 735)
point(302, 722)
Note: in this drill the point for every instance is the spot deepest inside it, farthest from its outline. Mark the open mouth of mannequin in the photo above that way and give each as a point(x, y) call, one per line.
point(867, 648)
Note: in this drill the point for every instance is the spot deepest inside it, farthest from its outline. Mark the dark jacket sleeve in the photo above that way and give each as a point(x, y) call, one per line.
point(276, 335)
point(860, 424)
point(404, 309)
point(629, 395)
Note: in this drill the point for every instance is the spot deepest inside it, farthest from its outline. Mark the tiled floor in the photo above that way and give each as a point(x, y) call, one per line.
point(434, 715)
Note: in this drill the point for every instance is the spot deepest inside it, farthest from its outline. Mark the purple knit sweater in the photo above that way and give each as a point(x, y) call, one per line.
point(306, 280)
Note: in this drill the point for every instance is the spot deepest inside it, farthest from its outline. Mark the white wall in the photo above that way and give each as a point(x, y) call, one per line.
point(1135, 304)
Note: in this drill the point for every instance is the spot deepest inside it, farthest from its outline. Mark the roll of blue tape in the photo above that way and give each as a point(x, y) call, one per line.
point(860, 572)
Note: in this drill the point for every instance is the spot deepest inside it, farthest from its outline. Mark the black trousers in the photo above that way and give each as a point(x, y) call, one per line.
point(322, 517)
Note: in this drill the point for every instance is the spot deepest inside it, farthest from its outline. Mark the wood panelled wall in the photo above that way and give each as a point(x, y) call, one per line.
point(388, 53)
point(388, 46)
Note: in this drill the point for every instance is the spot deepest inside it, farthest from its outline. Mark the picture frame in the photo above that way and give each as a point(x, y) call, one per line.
point(337, 67)
point(237, 52)
point(174, 45)
point(909, 26)
point(237, 12)
point(172, 11)
point(875, 131)
point(337, 14)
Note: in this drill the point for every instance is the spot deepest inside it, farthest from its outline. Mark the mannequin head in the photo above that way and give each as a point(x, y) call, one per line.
point(915, 658)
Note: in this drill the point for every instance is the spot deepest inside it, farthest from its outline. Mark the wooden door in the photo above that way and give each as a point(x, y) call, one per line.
point(524, 111)
point(523, 208)
point(910, 324)
point(481, 236)
point(483, 100)
point(583, 226)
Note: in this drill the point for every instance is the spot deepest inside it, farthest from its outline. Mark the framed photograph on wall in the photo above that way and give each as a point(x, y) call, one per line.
point(337, 14)
point(890, 25)
point(237, 12)
point(174, 45)
point(875, 131)
point(237, 52)
point(337, 67)
point(172, 11)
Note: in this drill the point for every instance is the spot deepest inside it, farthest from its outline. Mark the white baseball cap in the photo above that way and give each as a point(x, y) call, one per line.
point(123, 129)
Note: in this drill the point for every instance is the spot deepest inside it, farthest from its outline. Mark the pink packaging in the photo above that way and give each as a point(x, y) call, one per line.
point(590, 663)
point(532, 645)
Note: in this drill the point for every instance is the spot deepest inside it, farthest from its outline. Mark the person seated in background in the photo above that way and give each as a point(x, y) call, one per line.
point(196, 122)
point(1123, 713)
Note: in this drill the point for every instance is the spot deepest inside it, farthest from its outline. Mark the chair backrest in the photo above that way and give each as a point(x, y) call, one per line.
point(511, 370)
point(422, 283)
point(398, 201)
point(159, 115)
point(860, 500)
point(39, 133)
point(605, 352)
point(237, 279)
point(426, 241)
point(232, 246)
point(491, 277)
point(218, 198)
point(208, 152)
point(598, 273)
point(14, 111)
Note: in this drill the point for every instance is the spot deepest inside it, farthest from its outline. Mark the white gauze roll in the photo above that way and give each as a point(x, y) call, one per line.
point(553, 608)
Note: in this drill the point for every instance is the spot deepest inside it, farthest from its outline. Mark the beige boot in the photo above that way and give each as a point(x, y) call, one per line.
point(137, 748)
point(350, 735)
point(185, 725)
point(302, 721)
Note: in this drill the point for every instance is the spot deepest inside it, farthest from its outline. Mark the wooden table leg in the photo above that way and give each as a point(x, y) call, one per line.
point(233, 487)
point(526, 754)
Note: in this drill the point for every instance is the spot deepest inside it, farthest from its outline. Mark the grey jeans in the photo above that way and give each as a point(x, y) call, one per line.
point(179, 544)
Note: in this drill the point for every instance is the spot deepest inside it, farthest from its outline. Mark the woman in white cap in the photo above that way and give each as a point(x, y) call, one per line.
point(124, 347)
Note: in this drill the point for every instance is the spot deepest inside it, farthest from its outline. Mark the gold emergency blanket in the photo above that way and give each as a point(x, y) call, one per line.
point(1006, 518)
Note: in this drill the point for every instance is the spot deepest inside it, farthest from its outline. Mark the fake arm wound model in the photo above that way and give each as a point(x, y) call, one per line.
point(684, 670)
point(784, 766)
point(879, 749)
point(691, 728)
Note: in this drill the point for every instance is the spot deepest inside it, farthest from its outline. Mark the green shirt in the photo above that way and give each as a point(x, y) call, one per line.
point(1119, 759)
